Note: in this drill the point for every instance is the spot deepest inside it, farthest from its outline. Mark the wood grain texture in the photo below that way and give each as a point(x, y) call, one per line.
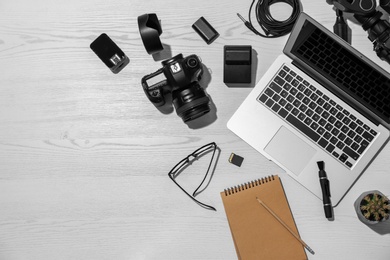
point(84, 155)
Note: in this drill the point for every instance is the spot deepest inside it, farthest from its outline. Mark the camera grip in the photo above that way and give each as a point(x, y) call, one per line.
point(154, 92)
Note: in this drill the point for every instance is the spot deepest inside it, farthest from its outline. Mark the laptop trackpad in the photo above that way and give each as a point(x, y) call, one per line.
point(290, 150)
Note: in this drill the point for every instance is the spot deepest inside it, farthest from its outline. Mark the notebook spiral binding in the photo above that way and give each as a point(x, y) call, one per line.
point(248, 185)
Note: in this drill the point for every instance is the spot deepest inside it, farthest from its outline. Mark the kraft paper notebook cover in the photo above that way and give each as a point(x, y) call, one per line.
point(256, 233)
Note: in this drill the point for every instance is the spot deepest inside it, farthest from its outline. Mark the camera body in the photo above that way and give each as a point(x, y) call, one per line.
point(179, 76)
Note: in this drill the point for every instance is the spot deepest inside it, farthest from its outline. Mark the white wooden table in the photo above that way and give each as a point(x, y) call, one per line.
point(84, 155)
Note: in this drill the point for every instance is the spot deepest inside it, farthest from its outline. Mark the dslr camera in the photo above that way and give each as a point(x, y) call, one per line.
point(180, 77)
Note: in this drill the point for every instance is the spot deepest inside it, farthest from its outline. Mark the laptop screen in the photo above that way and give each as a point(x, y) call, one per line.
point(344, 68)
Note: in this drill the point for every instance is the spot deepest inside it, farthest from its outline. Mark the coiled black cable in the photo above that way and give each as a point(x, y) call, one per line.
point(271, 27)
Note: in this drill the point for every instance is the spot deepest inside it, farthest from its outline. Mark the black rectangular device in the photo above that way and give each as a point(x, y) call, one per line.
point(109, 53)
point(237, 64)
point(205, 30)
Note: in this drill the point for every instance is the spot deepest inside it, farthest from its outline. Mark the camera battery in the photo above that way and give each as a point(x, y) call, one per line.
point(205, 30)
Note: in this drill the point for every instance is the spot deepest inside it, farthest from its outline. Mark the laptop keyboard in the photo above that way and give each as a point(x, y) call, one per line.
point(332, 127)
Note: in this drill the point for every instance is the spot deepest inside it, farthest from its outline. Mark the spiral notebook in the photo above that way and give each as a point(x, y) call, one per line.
point(256, 233)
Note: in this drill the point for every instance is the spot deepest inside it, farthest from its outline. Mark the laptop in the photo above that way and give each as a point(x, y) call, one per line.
point(321, 100)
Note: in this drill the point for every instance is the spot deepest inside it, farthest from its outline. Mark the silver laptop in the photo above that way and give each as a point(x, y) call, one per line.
point(321, 100)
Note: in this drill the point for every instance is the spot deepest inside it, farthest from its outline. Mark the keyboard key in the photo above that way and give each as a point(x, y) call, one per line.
point(300, 95)
point(373, 132)
point(282, 73)
point(303, 108)
point(275, 87)
point(325, 115)
point(269, 102)
point(306, 100)
point(276, 97)
point(330, 148)
point(316, 117)
point(367, 136)
point(295, 111)
point(312, 105)
point(303, 128)
point(358, 139)
point(349, 164)
point(269, 92)
point(320, 130)
point(359, 130)
point(301, 116)
point(263, 98)
point(314, 96)
point(351, 153)
point(307, 92)
point(296, 103)
point(283, 112)
point(327, 106)
point(287, 86)
point(288, 107)
point(275, 107)
point(327, 135)
point(290, 98)
point(293, 73)
point(307, 121)
point(282, 102)
point(340, 145)
point(288, 78)
point(301, 87)
point(346, 120)
point(279, 80)
point(333, 111)
point(323, 143)
point(343, 157)
point(295, 83)
point(333, 140)
point(338, 124)
point(314, 126)
point(293, 91)
point(353, 125)
point(344, 129)
point(284, 93)
point(340, 115)
point(355, 146)
point(322, 122)
point(328, 127)
point(342, 136)
point(363, 147)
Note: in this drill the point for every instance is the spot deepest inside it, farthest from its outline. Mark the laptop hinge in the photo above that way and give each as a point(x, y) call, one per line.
point(339, 94)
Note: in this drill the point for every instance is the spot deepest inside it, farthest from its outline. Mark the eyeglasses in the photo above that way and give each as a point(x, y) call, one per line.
point(178, 168)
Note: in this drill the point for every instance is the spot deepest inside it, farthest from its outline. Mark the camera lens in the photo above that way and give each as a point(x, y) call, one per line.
point(191, 102)
point(192, 62)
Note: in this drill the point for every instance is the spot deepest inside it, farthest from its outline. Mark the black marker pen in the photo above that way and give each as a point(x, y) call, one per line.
point(324, 182)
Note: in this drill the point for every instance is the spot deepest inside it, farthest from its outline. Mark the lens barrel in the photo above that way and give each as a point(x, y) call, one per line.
point(191, 102)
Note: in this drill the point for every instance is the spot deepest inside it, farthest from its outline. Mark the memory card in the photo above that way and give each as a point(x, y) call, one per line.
point(236, 159)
